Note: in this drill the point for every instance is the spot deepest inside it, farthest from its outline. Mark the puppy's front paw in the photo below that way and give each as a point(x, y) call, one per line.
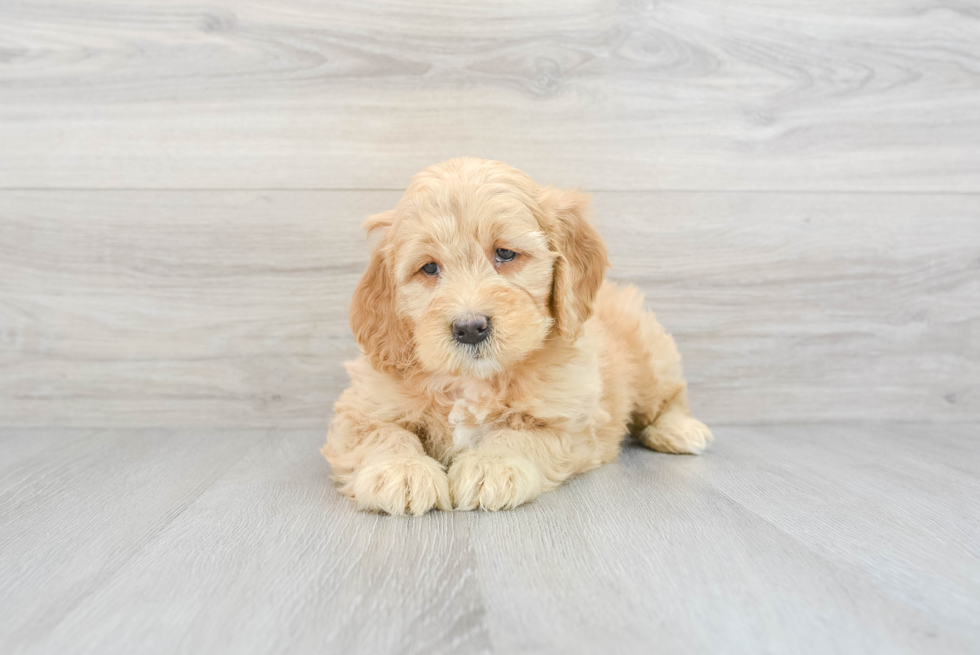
point(493, 481)
point(413, 484)
point(676, 432)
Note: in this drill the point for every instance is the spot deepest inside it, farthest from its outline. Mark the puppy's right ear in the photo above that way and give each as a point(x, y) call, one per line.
point(385, 337)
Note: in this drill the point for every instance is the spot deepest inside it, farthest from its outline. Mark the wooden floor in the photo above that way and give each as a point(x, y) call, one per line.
point(795, 186)
point(842, 538)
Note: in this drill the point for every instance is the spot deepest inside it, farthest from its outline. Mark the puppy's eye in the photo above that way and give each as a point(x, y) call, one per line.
point(431, 268)
point(504, 255)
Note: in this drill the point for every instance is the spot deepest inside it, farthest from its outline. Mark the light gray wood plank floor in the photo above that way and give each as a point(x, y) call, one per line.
point(839, 538)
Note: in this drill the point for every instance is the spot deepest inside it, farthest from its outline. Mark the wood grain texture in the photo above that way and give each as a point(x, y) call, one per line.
point(805, 538)
point(795, 186)
point(822, 486)
point(610, 95)
point(271, 560)
point(75, 507)
point(230, 308)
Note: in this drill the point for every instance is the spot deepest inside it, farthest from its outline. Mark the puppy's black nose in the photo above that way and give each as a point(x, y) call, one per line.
point(471, 329)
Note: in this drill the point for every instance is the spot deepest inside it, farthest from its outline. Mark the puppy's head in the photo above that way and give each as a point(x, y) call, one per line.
point(478, 267)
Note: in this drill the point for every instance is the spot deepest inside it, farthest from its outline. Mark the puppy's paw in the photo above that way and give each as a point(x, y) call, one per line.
point(411, 484)
point(676, 432)
point(493, 481)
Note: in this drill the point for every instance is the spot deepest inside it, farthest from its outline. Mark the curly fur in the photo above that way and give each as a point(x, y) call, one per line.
point(571, 366)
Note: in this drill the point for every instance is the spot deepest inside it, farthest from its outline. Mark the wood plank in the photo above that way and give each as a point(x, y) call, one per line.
point(21, 453)
point(831, 538)
point(647, 555)
point(886, 503)
point(810, 307)
point(76, 506)
point(757, 95)
point(230, 308)
point(173, 308)
point(272, 559)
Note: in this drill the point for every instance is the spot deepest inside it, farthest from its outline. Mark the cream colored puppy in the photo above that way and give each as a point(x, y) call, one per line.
point(496, 363)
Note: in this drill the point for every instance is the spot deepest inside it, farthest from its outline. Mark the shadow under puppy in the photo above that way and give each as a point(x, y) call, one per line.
point(496, 363)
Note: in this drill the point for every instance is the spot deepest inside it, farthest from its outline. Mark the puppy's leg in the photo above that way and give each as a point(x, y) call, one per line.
point(674, 430)
point(662, 419)
point(510, 468)
point(383, 467)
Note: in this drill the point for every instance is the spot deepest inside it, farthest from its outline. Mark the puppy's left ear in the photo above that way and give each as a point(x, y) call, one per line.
point(581, 262)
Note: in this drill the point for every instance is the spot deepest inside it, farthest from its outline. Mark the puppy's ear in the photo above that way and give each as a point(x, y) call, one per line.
point(379, 221)
point(581, 262)
point(385, 337)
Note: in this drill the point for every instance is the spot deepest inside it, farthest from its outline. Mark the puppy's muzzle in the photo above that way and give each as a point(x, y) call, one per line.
point(471, 329)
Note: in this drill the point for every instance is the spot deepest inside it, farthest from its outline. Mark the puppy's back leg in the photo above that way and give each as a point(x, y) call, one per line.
point(674, 430)
point(662, 419)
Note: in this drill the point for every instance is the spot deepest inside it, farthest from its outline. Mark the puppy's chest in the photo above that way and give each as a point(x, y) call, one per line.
point(473, 413)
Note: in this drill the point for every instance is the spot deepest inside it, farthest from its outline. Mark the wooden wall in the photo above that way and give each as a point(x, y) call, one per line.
point(795, 186)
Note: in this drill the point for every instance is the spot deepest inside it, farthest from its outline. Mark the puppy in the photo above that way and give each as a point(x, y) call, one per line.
point(496, 363)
